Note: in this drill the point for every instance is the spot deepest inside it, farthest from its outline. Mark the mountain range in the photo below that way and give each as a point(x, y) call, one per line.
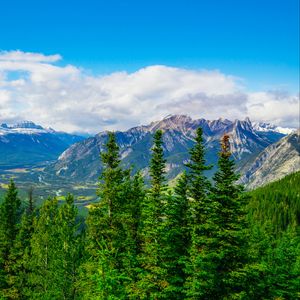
point(262, 151)
point(28, 144)
point(81, 161)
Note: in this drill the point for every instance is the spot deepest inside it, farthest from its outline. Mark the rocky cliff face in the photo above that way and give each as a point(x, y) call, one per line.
point(81, 161)
point(275, 162)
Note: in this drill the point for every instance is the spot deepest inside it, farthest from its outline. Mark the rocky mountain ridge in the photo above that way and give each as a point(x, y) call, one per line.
point(81, 161)
point(274, 162)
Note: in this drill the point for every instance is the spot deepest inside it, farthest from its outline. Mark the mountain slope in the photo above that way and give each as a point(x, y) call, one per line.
point(277, 203)
point(275, 162)
point(81, 161)
point(27, 144)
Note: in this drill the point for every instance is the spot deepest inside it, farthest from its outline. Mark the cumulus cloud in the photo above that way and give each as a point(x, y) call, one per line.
point(275, 106)
point(33, 87)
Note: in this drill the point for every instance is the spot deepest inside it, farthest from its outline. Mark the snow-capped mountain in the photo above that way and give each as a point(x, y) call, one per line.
point(26, 143)
point(25, 127)
point(267, 127)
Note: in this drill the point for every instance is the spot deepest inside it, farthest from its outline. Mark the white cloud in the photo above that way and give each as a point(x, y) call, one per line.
point(275, 107)
point(18, 55)
point(66, 98)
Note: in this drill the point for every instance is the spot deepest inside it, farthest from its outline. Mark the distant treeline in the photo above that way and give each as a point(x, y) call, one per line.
point(199, 240)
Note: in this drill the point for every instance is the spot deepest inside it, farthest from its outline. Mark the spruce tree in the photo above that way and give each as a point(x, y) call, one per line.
point(132, 222)
point(21, 253)
point(70, 251)
point(153, 276)
point(157, 166)
point(56, 251)
point(44, 275)
point(199, 224)
point(9, 219)
point(137, 197)
point(108, 242)
point(177, 238)
point(230, 248)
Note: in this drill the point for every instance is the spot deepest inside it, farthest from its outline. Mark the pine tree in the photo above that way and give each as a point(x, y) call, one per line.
point(21, 253)
point(157, 166)
point(200, 225)
point(199, 184)
point(137, 197)
point(153, 277)
point(107, 224)
point(132, 222)
point(44, 275)
point(177, 238)
point(56, 251)
point(230, 248)
point(9, 219)
point(70, 250)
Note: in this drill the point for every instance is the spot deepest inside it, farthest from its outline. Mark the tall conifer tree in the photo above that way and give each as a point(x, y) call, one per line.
point(153, 276)
point(44, 264)
point(177, 238)
point(56, 251)
point(70, 248)
point(231, 237)
point(9, 219)
point(200, 226)
point(132, 216)
point(107, 228)
point(21, 253)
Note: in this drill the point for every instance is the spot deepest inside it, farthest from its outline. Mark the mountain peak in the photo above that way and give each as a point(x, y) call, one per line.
point(173, 122)
point(265, 127)
point(28, 125)
point(247, 120)
point(178, 118)
point(243, 124)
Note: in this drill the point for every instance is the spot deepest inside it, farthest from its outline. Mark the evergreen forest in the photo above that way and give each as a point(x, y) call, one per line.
point(202, 239)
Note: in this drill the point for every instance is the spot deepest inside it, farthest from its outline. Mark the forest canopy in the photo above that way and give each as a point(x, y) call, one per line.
point(201, 239)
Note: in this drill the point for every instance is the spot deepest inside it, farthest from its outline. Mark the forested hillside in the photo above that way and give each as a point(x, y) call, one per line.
point(277, 203)
point(198, 240)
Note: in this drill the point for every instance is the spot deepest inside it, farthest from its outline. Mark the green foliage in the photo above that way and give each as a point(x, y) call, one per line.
point(199, 184)
point(199, 240)
point(177, 238)
point(9, 218)
point(44, 263)
point(274, 248)
point(152, 278)
point(20, 254)
point(56, 251)
point(157, 166)
point(274, 271)
point(199, 222)
point(227, 246)
point(113, 229)
point(278, 203)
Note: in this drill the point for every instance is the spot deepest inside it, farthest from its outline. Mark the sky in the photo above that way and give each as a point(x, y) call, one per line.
point(86, 66)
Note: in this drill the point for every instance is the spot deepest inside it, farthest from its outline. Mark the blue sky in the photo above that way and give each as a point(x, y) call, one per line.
point(94, 65)
point(256, 40)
